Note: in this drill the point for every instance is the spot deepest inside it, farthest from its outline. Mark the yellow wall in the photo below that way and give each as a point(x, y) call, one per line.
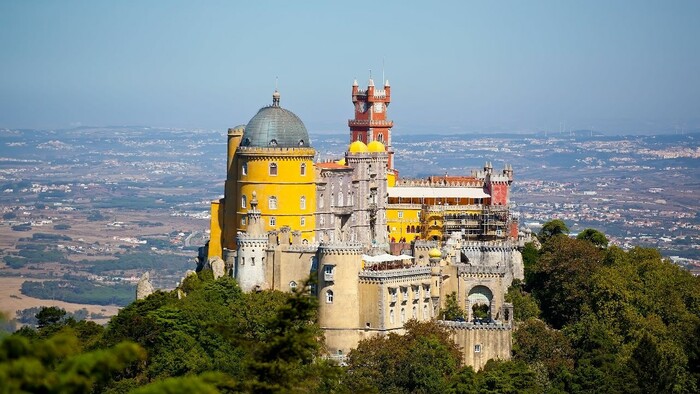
point(215, 228)
point(288, 186)
point(397, 226)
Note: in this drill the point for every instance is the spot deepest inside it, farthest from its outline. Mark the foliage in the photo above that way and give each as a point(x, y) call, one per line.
point(552, 228)
point(561, 280)
point(422, 360)
point(56, 364)
point(452, 310)
point(593, 236)
point(80, 292)
point(524, 304)
point(631, 318)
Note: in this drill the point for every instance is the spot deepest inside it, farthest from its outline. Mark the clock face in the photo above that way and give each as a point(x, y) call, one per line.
point(378, 107)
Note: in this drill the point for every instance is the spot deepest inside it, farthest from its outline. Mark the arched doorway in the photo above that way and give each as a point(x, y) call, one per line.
point(479, 303)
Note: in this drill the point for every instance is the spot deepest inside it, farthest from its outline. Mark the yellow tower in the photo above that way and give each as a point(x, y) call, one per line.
point(275, 160)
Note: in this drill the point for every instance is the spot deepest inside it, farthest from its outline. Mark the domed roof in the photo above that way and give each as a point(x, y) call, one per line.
point(435, 253)
point(357, 147)
point(274, 126)
point(376, 146)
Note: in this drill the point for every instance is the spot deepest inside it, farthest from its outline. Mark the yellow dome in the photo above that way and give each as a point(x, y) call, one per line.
point(376, 146)
point(435, 253)
point(341, 162)
point(357, 147)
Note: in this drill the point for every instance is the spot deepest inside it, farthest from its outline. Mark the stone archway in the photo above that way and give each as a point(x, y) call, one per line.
point(479, 303)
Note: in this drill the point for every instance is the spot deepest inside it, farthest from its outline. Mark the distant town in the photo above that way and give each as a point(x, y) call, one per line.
point(106, 204)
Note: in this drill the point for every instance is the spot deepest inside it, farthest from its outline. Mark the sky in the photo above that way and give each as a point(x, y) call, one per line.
point(454, 66)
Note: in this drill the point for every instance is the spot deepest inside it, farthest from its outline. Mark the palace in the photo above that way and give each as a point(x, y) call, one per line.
point(384, 249)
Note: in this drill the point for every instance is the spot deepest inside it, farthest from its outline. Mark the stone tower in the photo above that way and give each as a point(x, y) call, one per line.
point(249, 269)
point(339, 293)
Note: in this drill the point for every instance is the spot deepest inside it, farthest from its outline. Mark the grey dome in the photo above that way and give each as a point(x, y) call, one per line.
point(274, 126)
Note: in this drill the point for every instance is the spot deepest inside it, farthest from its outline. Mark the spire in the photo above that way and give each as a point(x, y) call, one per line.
point(354, 82)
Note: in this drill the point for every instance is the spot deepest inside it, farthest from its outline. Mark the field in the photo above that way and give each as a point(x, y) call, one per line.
point(12, 300)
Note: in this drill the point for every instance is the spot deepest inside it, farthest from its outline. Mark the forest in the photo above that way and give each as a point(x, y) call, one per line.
point(590, 318)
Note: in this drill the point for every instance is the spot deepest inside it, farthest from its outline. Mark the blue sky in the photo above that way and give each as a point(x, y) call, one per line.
point(454, 66)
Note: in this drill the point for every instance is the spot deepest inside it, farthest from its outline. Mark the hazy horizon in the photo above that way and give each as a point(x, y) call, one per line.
point(628, 67)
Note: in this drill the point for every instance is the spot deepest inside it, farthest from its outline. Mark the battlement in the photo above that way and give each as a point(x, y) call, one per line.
point(464, 325)
point(345, 248)
point(481, 271)
point(428, 183)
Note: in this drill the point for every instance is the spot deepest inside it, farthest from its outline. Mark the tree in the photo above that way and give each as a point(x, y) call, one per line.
point(562, 278)
point(524, 304)
point(553, 228)
point(536, 343)
point(49, 315)
point(593, 236)
point(421, 361)
point(452, 311)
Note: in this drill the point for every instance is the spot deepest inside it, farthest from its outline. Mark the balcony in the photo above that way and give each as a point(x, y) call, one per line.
point(328, 276)
point(341, 209)
point(370, 123)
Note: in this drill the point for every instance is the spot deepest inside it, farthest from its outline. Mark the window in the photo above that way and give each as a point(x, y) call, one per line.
point(391, 316)
point(292, 285)
point(400, 214)
point(273, 221)
point(242, 260)
point(321, 220)
point(243, 221)
point(328, 269)
point(252, 261)
point(303, 169)
point(403, 315)
point(380, 137)
point(404, 291)
point(302, 222)
point(273, 169)
point(244, 168)
point(426, 316)
point(477, 348)
point(415, 312)
point(302, 202)
point(329, 297)
point(272, 202)
point(340, 199)
point(244, 201)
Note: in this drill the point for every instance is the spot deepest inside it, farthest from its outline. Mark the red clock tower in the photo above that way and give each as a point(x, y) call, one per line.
point(370, 123)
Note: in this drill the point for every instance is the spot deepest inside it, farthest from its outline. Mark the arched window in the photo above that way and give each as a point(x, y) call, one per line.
point(302, 202)
point(408, 229)
point(320, 201)
point(380, 137)
point(415, 312)
point(244, 168)
point(403, 315)
point(391, 316)
point(244, 201)
point(302, 222)
point(329, 296)
point(273, 221)
point(426, 316)
point(303, 169)
point(273, 169)
point(272, 202)
point(292, 285)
